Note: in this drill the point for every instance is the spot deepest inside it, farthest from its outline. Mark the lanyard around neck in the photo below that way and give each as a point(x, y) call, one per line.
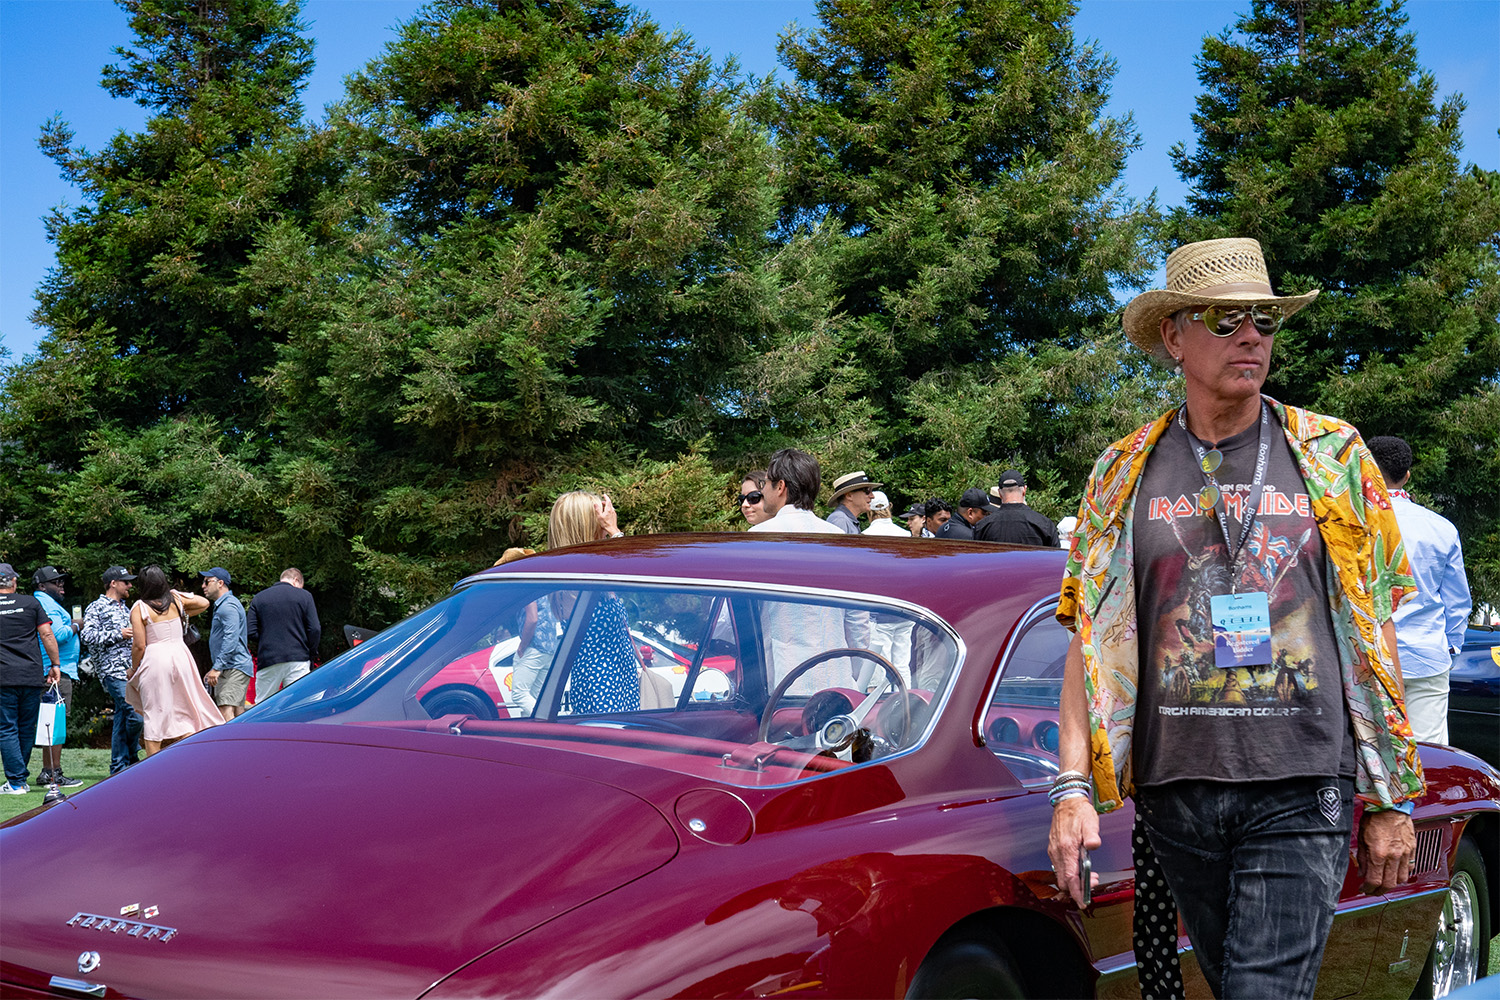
point(1257, 486)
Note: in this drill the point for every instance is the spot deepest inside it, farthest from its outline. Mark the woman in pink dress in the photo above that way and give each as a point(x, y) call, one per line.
point(163, 684)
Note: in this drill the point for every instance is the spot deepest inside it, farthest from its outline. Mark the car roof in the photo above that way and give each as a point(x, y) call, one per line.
point(954, 579)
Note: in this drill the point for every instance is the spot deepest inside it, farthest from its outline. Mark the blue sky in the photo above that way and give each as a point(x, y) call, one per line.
point(51, 52)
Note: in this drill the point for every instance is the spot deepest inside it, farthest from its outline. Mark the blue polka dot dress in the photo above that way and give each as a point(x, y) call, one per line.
point(604, 672)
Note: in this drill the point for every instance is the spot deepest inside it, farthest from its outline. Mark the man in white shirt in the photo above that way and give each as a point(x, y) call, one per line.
point(792, 482)
point(1429, 626)
point(795, 631)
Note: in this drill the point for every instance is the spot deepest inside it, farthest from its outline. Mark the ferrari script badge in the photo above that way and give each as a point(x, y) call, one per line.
point(131, 928)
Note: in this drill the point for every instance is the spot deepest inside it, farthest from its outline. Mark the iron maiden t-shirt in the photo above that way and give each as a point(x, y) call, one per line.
point(1195, 719)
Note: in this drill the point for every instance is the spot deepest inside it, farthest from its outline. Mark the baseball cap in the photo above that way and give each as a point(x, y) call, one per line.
point(918, 509)
point(117, 573)
point(46, 575)
point(975, 497)
point(218, 573)
point(880, 501)
point(1011, 478)
point(7, 571)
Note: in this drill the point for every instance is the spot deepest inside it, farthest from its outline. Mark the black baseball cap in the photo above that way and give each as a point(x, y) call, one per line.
point(46, 575)
point(975, 497)
point(1011, 478)
point(117, 573)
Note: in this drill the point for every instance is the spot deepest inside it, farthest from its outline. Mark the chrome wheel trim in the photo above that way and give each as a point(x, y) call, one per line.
point(1454, 952)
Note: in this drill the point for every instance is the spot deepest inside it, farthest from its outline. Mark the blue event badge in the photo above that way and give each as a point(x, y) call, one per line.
point(1242, 630)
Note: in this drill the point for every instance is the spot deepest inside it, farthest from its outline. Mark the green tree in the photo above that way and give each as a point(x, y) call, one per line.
point(148, 329)
point(150, 260)
point(1320, 135)
point(961, 153)
point(553, 256)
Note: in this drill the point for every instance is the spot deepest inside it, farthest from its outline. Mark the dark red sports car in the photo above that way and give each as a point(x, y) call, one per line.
point(849, 802)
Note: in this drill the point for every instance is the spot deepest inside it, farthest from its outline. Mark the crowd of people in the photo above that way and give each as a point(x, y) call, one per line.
point(1000, 514)
point(140, 653)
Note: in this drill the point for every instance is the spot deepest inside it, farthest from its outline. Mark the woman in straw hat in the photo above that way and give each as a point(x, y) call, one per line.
point(1227, 538)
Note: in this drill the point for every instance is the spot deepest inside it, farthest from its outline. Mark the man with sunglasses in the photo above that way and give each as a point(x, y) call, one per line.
point(851, 498)
point(1233, 664)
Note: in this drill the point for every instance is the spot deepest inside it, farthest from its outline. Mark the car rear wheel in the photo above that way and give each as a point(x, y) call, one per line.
point(967, 967)
point(1460, 952)
point(459, 700)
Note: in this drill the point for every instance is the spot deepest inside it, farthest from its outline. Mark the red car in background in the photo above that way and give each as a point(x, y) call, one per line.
point(856, 807)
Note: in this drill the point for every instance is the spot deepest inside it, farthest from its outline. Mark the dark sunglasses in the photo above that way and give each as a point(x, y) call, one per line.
point(1222, 321)
point(751, 498)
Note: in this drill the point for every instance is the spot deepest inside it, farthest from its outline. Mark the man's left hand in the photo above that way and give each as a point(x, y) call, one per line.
point(1387, 848)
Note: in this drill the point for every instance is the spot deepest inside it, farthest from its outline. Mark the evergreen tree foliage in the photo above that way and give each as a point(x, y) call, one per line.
point(150, 260)
point(112, 429)
point(1320, 135)
point(556, 254)
point(962, 153)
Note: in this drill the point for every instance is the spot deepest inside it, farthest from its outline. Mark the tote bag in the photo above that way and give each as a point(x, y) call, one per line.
point(52, 722)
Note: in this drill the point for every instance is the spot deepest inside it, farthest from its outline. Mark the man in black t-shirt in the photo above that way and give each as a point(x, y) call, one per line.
point(1232, 668)
point(1013, 521)
point(22, 677)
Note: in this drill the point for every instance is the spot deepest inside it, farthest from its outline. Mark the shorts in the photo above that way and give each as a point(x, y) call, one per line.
point(232, 688)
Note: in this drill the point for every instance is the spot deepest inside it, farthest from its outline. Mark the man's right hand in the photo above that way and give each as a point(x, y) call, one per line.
point(1074, 823)
point(127, 633)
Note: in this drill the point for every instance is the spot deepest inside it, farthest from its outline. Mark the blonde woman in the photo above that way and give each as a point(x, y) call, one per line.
point(606, 673)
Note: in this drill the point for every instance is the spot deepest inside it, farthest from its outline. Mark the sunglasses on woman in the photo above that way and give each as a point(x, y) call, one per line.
point(751, 498)
point(1222, 321)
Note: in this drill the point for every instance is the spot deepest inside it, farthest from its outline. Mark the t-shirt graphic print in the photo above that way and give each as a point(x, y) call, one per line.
point(1259, 697)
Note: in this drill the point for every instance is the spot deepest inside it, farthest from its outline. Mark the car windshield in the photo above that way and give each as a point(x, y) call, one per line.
point(763, 685)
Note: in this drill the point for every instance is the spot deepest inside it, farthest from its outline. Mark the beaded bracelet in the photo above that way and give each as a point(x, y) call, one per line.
point(1067, 789)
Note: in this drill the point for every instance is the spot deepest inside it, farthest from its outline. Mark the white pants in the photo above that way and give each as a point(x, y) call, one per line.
point(1427, 707)
point(269, 680)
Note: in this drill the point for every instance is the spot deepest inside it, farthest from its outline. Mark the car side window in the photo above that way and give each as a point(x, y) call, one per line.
point(1020, 725)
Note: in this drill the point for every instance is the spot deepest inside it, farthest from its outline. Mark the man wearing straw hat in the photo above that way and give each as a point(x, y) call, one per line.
point(1233, 666)
point(851, 498)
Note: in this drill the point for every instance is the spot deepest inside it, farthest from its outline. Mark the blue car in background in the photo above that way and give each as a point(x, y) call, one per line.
point(1474, 694)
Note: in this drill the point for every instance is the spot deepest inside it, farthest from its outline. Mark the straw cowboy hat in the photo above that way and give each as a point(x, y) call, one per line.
point(1210, 273)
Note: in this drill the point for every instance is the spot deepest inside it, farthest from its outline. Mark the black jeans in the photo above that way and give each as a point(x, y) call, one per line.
point(1256, 869)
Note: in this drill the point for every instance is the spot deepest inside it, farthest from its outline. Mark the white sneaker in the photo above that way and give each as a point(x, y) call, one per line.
point(10, 789)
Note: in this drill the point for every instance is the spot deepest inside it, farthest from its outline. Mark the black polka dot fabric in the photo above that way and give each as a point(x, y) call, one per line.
point(604, 673)
point(1155, 924)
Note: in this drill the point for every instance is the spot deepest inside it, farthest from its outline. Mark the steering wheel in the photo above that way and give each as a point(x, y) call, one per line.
point(840, 732)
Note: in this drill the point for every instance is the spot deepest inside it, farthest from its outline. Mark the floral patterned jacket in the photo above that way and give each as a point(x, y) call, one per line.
point(1368, 577)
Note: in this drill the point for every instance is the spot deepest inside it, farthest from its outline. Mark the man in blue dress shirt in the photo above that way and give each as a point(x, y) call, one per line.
point(227, 645)
point(1430, 626)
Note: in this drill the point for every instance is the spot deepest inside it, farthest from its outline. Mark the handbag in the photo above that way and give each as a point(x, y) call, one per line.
point(52, 721)
point(190, 633)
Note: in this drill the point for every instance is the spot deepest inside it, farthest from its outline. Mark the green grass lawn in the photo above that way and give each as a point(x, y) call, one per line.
point(93, 766)
point(89, 766)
